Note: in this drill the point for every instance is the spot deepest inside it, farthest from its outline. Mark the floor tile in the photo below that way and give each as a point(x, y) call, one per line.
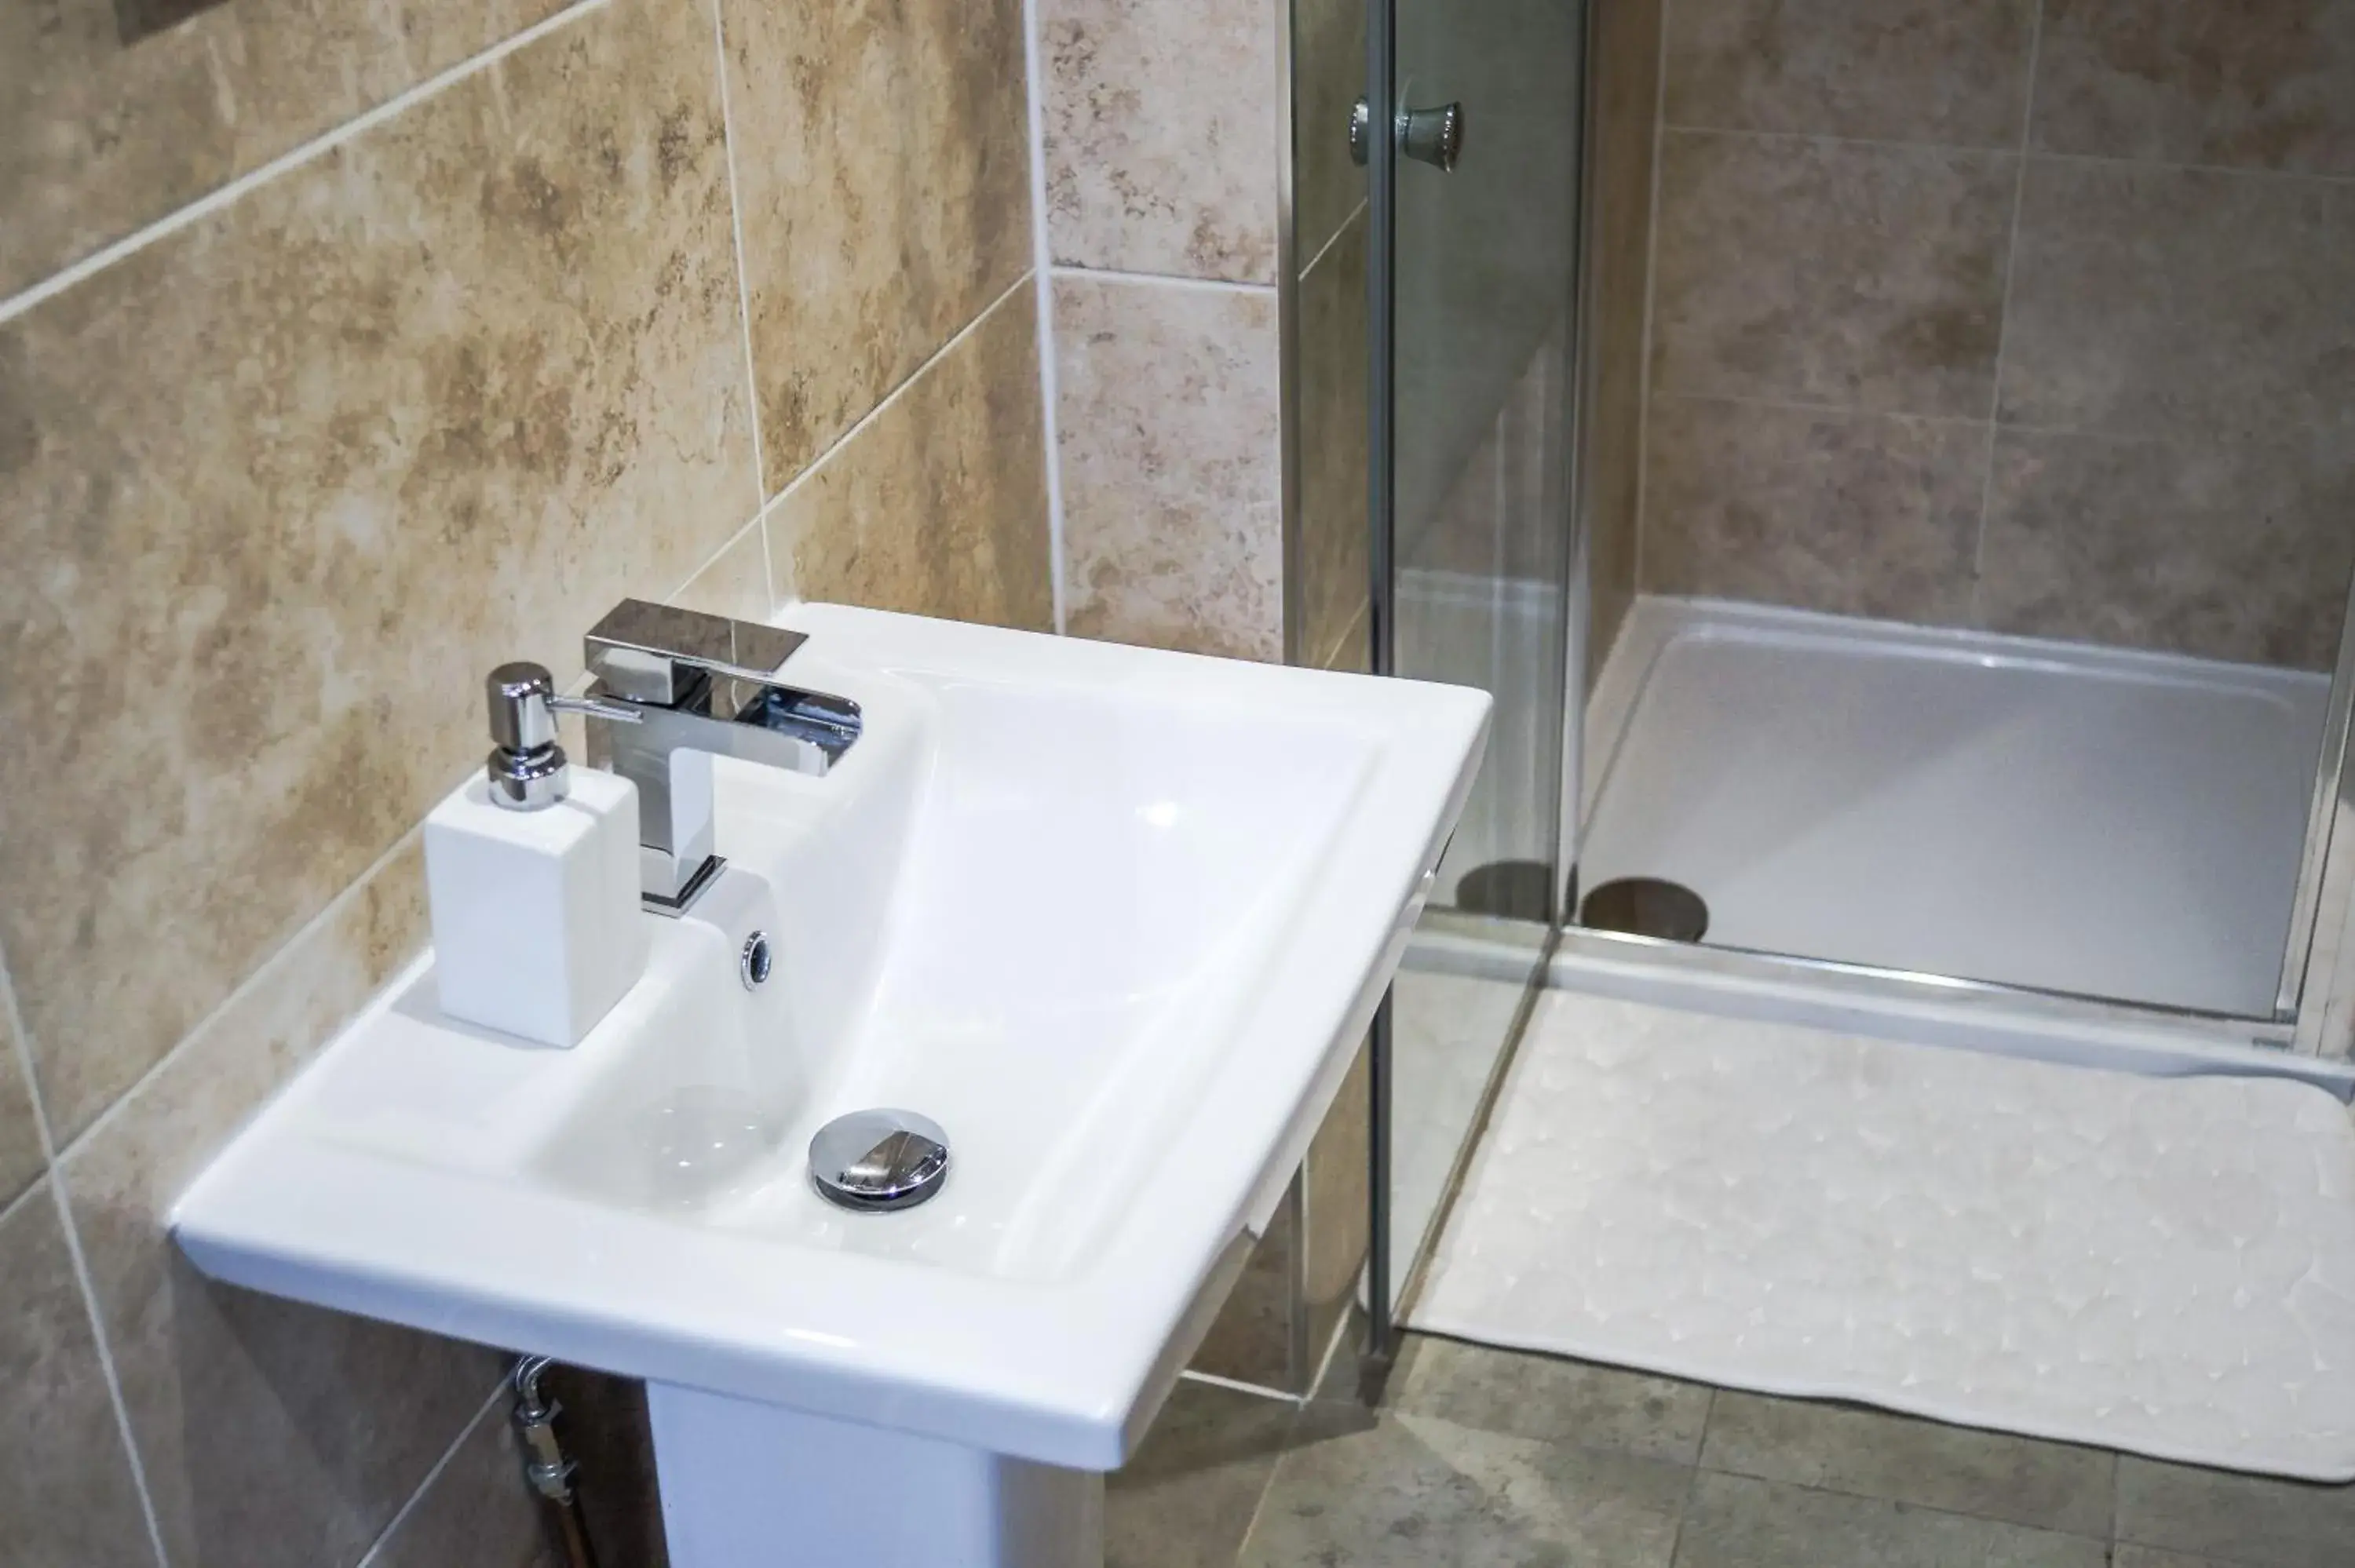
point(2129, 1556)
point(1993, 1475)
point(1187, 1499)
point(1412, 1490)
point(2253, 1520)
point(1734, 1521)
point(1551, 1399)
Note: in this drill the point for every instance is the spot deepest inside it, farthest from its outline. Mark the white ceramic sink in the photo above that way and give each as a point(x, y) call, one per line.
point(1115, 918)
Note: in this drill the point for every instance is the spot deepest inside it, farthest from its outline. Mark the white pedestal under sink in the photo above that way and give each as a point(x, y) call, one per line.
point(751, 1486)
point(1115, 919)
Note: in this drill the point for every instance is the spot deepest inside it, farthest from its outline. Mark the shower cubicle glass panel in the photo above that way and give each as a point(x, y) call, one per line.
point(1477, 305)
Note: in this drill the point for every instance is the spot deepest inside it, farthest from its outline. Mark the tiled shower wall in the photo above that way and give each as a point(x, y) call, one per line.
point(2033, 316)
point(343, 353)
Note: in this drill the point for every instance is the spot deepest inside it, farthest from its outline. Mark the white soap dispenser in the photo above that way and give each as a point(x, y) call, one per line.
point(532, 872)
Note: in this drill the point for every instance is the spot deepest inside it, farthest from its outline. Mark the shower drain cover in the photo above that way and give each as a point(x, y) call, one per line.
point(880, 1159)
point(1647, 907)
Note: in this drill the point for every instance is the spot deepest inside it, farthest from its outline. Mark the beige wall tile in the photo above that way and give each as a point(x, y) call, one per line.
point(100, 136)
point(271, 1433)
point(2148, 299)
point(431, 401)
point(605, 1429)
point(882, 160)
point(735, 582)
point(1857, 277)
point(1251, 1338)
point(1855, 514)
point(21, 1158)
point(939, 506)
point(1328, 75)
point(1628, 42)
point(1948, 71)
point(1334, 576)
point(66, 1496)
point(2269, 85)
point(1335, 1180)
point(1167, 405)
point(477, 1512)
point(1161, 146)
point(2228, 550)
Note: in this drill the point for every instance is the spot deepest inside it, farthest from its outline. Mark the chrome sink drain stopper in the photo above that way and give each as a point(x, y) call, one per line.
point(876, 1159)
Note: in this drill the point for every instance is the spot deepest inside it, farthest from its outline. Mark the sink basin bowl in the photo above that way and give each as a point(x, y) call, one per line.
point(1115, 918)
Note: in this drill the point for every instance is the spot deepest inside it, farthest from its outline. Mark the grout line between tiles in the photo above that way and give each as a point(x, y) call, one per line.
point(1975, 611)
point(1803, 405)
point(212, 201)
point(1163, 280)
point(743, 289)
point(263, 971)
point(2025, 151)
point(1042, 278)
point(1237, 1385)
point(1651, 289)
point(835, 448)
point(734, 539)
point(400, 1516)
point(54, 1175)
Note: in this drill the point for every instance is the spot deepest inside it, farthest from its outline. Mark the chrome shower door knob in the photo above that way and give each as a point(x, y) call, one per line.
point(1433, 136)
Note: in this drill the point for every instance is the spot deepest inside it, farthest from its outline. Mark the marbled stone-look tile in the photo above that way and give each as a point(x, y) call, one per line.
point(1335, 524)
point(2227, 549)
point(100, 135)
point(2254, 1520)
point(1869, 1452)
point(1866, 276)
point(1186, 1498)
point(1853, 515)
point(1954, 72)
point(2150, 300)
point(1168, 418)
point(735, 582)
point(605, 1429)
point(1338, 1210)
point(1328, 74)
point(476, 1512)
point(271, 1433)
point(67, 1494)
point(2127, 1555)
point(1412, 1490)
point(2265, 85)
point(1551, 1399)
point(1252, 1339)
point(1735, 1522)
point(434, 400)
point(883, 166)
point(1161, 143)
point(939, 506)
point(21, 1160)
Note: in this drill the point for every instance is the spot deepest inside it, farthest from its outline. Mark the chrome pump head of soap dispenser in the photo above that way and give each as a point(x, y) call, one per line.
point(526, 769)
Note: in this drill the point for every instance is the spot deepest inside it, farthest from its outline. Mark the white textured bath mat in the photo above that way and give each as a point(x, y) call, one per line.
point(2162, 1266)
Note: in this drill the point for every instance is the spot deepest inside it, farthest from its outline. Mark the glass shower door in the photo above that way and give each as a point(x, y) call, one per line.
point(1476, 197)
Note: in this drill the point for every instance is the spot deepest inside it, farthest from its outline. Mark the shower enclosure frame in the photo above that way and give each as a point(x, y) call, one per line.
point(2315, 995)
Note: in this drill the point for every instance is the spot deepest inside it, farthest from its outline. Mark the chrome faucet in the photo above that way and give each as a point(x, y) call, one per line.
point(673, 689)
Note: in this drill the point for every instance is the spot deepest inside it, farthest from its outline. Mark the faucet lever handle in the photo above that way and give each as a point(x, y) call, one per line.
point(649, 653)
